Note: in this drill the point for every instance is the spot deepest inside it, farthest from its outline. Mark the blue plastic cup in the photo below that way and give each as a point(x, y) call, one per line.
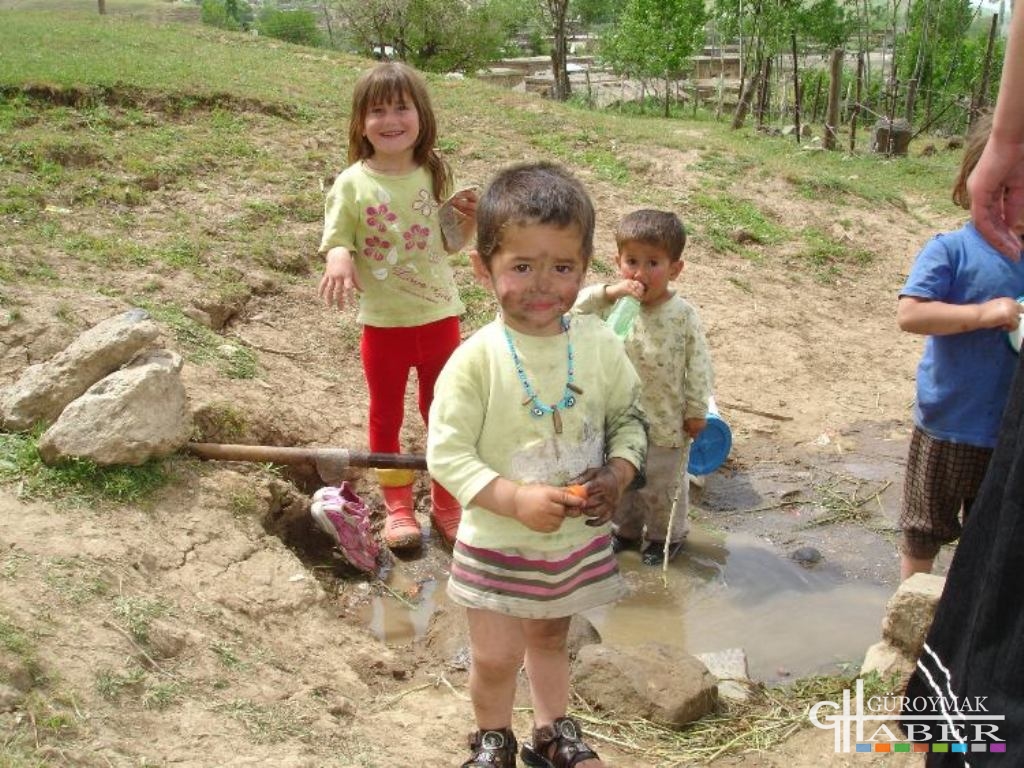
point(711, 448)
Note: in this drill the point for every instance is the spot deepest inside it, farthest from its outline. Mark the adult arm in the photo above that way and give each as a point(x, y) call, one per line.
point(996, 186)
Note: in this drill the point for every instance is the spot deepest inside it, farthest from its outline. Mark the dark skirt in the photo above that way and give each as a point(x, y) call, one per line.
point(972, 665)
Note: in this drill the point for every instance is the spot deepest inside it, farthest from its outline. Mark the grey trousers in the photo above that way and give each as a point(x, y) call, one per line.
point(645, 512)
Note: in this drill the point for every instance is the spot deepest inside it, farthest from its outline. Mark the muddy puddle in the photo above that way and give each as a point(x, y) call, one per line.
point(719, 593)
point(736, 584)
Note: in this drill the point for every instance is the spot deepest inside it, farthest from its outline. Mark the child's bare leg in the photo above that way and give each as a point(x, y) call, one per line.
point(911, 565)
point(497, 645)
point(547, 665)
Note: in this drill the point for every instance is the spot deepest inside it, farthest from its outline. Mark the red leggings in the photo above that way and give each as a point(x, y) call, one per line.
point(388, 355)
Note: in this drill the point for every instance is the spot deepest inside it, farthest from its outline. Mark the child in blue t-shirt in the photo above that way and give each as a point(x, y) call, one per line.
point(961, 293)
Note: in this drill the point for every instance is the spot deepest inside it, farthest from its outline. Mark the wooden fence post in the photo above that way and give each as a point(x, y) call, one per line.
point(796, 87)
point(982, 98)
point(832, 118)
point(856, 104)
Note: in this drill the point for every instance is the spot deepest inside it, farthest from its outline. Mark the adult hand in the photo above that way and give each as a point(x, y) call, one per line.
point(996, 189)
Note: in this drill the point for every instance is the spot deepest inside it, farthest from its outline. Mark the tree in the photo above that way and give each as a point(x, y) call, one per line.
point(447, 35)
point(933, 51)
point(596, 13)
point(825, 22)
point(655, 39)
point(556, 14)
point(435, 35)
point(377, 25)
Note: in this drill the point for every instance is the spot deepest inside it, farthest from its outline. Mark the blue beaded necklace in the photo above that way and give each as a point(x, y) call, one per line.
point(537, 408)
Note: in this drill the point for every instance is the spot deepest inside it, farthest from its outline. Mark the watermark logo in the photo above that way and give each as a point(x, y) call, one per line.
point(862, 725)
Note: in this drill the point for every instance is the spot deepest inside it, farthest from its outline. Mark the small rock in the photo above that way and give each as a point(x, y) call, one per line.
point(461, 659)
point(166, 641)
point(806, 556)
point(10, 698)
point(201, 317)
point(342, 707)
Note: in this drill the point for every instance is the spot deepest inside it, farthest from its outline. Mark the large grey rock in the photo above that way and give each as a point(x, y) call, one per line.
point(581, 633)
point(887, 661)
point(132, 415)
point(652, 681)
point(45, 389)
point(909, 613)
point(731, 670)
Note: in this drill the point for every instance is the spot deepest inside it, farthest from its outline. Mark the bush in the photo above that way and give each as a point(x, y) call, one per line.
point(215, 14)
point(297, 26)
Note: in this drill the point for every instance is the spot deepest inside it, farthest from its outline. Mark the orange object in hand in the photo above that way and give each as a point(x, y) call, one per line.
point(579, 491)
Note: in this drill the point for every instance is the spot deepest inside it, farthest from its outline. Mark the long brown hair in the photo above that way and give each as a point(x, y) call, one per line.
point(384, 84)
point(974, 145)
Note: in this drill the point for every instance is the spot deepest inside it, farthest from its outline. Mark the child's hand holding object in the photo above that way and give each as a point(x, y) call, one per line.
point(602, 487)
point(544, 507)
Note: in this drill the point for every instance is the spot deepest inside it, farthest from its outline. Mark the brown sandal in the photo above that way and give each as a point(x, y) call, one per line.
point(559, 745)
point(492, 749)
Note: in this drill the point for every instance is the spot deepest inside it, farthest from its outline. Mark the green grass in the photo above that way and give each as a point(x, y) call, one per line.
point(768, 718)
point(207, 65)
point(728, 222)
point(76, 580)
point(266, 723)
point(112, 685)
point(108, 129)
point(79, 480)
point(586, 147)
point(202, 345)
point(227, 655)
point(828, 258)
point(137, 613)
point(220, 422)
point(481, 305)
point(244, 504)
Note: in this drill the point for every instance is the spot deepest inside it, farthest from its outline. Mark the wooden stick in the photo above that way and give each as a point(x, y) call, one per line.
point(745, 409)
point(276, 454)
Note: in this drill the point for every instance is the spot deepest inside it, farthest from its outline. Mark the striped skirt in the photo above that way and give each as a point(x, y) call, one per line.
point(536, 585)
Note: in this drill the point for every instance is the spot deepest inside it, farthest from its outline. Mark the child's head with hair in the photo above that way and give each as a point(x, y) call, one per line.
point(650, 250)
point(659, 228)
point(533, 193)
point(974, 145)
point(392, 83)
point(535, 237)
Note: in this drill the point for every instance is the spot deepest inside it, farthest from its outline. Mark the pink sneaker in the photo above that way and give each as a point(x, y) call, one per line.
point(343, 516)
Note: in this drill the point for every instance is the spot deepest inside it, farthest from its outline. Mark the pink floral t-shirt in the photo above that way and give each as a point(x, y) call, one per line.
point(389, 224)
